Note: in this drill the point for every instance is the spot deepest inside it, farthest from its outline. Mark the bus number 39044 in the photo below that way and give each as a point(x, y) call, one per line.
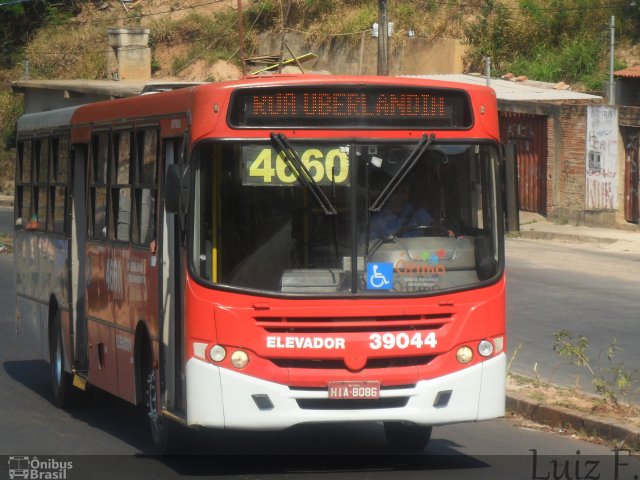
point(401, 340)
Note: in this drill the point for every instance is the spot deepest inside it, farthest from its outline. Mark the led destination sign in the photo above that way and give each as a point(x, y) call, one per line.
point(350, 107)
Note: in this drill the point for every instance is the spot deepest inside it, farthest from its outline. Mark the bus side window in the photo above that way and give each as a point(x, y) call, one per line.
point(97, 210)
point(146, 187)
point(122, 158)
point(40, 171)
point(58, 178)
point(23, 184)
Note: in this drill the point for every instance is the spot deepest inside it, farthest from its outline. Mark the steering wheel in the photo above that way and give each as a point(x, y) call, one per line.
point(437, 229)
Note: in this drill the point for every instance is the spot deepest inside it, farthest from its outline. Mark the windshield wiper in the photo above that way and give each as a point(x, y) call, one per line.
point(302, 174)
point(402, 172)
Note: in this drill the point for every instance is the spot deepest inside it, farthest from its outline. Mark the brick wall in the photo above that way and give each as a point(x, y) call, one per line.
point(570, 197)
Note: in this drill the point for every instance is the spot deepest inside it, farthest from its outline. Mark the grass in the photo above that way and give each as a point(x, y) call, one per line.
point(570, 398)
point(61, 52)
point(209, 38)
point(6, 243)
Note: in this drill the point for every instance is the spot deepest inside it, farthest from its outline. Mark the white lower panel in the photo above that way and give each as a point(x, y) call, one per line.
point(218, 397)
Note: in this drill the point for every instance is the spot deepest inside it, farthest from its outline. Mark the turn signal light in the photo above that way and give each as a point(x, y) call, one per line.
point(239, 359)
point(464, 355)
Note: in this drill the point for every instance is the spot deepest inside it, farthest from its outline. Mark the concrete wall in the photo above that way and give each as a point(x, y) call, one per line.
point(566, 161)
point(358, 55)
point(129, 57)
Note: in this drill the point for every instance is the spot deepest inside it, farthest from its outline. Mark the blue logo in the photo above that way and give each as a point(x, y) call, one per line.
point(379, 276)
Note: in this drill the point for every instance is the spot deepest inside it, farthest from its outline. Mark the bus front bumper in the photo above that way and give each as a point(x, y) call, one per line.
point(222, 398)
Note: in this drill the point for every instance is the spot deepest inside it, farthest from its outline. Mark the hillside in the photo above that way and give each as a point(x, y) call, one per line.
point(550, 40)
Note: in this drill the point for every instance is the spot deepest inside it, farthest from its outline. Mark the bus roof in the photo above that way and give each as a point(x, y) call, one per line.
point(196, 101)
point(46, 120)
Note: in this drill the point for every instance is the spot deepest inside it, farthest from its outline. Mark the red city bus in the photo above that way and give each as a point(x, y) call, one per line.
point(272, 251)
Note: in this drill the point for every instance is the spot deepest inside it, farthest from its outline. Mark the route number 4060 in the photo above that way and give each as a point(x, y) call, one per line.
point(324, 167)
point(402, 340)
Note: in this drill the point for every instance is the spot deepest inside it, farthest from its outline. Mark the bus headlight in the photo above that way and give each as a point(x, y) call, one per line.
point(464, 355)
point(239, 359)
point(217, 353)
point(485, 348)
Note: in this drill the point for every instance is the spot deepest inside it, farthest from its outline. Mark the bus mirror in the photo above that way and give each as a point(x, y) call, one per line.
point(185, 181)
point(172, 189)
point(176, 190)
point(510, 179)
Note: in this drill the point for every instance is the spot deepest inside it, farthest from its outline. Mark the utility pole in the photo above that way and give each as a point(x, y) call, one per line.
point(612, 86)
point(383, 38)
point(285, 17)
point(487, 70)
point(243, 65)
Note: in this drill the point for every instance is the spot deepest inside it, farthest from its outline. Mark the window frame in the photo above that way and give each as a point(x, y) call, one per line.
point(58, 181)
point(39, 185)
point(115, 186)
point(193, 228)
point(93, 184)
point(23, 182)
point(139, 186)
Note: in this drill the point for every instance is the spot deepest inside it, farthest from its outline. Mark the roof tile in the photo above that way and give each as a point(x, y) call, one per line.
point(631, 72)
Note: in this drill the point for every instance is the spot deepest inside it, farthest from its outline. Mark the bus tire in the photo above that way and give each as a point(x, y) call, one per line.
point(407, 436)
point(61, 381)
point(164, 432)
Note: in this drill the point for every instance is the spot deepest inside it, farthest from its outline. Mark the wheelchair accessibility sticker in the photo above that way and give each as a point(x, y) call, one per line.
point(379, 276)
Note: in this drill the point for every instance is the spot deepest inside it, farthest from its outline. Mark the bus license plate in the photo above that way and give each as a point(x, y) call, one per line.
point(354, 390)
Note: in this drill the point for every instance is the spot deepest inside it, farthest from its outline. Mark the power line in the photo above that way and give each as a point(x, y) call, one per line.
point(461, 6)
point(133, 16)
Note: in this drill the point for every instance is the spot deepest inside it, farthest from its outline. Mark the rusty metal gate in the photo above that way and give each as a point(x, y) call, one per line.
point(630, 136)
point(529, 133)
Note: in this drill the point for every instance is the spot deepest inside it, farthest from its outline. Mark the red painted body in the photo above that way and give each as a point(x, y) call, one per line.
point(124, 286)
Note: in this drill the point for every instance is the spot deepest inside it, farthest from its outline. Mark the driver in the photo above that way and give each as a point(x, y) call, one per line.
point(398, 215)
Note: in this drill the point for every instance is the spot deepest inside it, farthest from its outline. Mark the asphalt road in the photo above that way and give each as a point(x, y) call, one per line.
point(6, 220)
point(552, 286)
point(107, 438)
point(555, 286)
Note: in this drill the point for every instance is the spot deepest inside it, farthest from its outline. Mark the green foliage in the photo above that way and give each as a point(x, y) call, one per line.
point(10, 111)
point(550, 40)
point(264, 14)
point(19, 22)
point(208, 38)
point(11, 108)
point(612, 381)
point(362, 19)
point(155, 64)
point(578, 60)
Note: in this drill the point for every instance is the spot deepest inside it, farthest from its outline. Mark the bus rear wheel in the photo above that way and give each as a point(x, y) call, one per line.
point(407, 436)
point(61, 381)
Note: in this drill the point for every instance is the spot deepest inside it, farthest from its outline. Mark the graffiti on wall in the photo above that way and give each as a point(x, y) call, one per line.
point(602, 158)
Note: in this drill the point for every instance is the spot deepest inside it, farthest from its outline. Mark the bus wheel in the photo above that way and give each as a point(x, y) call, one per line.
point(61, 381)
point(164, 432)
point(407, 436)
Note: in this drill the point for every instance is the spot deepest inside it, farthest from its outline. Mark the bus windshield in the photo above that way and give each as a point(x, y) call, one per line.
point(396, 227)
